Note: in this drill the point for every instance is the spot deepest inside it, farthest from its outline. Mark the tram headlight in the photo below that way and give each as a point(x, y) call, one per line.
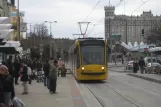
point(82, 68)
point(103, 68)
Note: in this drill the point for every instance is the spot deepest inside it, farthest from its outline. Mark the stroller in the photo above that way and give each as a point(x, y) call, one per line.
point(40, 76)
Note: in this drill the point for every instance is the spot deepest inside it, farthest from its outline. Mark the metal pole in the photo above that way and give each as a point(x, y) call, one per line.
point(126, 31)
point(115, 51)
point(50, 42)
point(18, 22)
point(41, 47)
point(50, 29)
point(34, 36)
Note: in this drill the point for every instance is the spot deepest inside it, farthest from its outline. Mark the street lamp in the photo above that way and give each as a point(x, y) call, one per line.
point(50, 36)
point(18, 21)
point(50, 25)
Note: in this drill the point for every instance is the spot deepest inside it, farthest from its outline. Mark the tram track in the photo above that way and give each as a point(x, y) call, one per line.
point(120, 94)
point(130, 83)
point(101, 105)
point(127, 83)
point(115, 91)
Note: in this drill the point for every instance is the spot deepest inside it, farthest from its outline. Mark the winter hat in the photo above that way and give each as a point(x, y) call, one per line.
point(3, 70)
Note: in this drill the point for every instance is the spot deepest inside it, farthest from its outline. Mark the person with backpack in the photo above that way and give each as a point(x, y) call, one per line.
point(7, 92)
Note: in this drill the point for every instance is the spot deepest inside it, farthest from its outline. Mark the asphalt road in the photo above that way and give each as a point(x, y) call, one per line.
point(121, 90)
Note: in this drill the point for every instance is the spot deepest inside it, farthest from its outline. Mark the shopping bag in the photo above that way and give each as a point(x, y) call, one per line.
point(11, 104)
point(17, 102)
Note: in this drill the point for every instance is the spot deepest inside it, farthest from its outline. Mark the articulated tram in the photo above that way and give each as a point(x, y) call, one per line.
point(88, 59)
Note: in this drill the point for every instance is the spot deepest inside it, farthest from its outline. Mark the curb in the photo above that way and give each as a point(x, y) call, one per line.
point(146, 78)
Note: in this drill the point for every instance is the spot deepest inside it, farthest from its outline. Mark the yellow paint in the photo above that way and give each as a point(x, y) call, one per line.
point(93, 69)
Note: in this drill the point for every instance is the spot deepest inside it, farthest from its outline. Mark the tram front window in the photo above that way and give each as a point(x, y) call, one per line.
point(92, 55)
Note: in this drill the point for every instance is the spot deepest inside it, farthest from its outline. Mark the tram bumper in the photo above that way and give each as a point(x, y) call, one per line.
point(92, 73)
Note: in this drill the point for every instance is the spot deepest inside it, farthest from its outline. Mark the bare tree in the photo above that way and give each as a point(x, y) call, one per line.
point(41, 30)
point(155, 36)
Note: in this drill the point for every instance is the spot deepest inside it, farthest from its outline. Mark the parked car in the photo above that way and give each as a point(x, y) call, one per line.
point(153, 68)
point(129, 65)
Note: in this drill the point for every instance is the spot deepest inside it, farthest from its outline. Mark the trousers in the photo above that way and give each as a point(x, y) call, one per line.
point(25, 87)
point(53, 85)
point(7, 98)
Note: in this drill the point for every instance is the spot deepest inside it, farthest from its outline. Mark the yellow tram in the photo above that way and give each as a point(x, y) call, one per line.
point(88, 59)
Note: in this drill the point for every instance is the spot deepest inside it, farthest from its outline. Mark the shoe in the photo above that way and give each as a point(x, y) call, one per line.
point(25, 93)
point(55, 92)
point(51, 92)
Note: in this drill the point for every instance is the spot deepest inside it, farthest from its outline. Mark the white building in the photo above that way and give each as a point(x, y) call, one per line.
point(129, 27)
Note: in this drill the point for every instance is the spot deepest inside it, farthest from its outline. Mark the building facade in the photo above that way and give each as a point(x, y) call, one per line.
point(4, 8)
point(129, 27)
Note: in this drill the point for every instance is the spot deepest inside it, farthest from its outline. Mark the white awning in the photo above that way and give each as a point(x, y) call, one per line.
point(4, 20)
point(155, 49)
point(6, 34)
point(5, 26)
point(19, 49)
point(13, 43)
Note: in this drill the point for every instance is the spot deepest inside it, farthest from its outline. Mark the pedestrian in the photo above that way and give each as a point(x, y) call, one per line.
point(135, 66)
point(64, 70)
point(46, 68)
point(60, 64)
point(29, 73)
point(53, 76)
point(6, 86)
point(141, 65)
point(17, 66)
point(10, 66)
point(24, 78)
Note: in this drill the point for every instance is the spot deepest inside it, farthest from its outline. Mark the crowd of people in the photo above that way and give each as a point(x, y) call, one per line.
point(27, 70)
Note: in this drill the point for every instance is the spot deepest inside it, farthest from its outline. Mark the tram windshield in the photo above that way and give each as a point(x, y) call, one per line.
point(92, 55)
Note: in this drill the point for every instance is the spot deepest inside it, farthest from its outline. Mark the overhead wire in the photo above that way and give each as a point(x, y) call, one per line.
point(94, 25)
point(144, 2)
point(93, 9)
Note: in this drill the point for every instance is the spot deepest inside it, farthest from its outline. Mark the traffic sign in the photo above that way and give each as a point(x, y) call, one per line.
point(14, 14)
point(23, 27)
point(118, 37)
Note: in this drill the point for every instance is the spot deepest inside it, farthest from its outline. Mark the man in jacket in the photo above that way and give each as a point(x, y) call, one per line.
point(53, 76)
point(141, 64)
point(17, 66)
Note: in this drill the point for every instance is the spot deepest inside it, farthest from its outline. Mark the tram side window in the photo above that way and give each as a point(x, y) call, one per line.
point(76, 52)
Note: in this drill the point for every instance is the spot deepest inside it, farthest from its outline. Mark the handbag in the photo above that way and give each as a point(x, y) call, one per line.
point(17, 102)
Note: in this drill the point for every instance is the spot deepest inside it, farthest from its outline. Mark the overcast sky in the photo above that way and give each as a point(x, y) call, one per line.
point(69, 12)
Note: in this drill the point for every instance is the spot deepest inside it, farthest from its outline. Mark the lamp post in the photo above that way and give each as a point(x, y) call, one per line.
point(50, 36)
point(18, 21)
